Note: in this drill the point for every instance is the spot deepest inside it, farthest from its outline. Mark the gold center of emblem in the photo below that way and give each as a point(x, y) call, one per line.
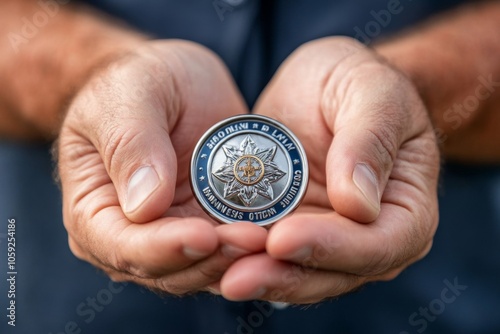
point(249, 170)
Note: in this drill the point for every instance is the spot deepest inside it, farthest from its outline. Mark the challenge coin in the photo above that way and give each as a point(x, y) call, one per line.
point(249, 168)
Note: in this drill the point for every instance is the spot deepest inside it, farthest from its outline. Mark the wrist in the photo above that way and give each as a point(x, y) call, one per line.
point(79, 63)
point(42, 77)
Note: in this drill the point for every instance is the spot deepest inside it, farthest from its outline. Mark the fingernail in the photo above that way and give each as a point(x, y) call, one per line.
point(214, 288)
point(259, 293)
point(366, 181)
point(142, 184)
point(232, 252)
point(301, 254)
point(214, 291)
point(195, 254)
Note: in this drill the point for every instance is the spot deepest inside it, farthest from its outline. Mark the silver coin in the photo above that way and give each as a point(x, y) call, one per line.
point(249, 168)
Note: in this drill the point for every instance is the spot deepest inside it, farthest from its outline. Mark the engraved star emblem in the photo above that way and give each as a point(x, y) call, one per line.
point(249, 171)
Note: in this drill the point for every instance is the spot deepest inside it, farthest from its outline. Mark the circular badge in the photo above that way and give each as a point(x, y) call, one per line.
point(249, 168)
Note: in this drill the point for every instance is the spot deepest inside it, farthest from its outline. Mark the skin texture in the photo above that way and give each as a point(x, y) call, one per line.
point(362, 112)
point(127, 113)
point(453, 61)
point(44, 67)
point(161, 92)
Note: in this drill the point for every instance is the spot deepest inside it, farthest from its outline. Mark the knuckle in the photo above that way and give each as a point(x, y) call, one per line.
point(400, 253)
point(116, 276)
point(383, 258)
point(385, 144)
point(345, 45)
point(310, 53)
point(120, 144)
point(211, 273)
point(390, 275)
point(379, 263)
point(76, 249)
point(171, 287)
point(423, 152)
point(121, 261)
point(344, 285)
point(124, 266)
point(388, 131)
point(188, 48)
point(425, 251)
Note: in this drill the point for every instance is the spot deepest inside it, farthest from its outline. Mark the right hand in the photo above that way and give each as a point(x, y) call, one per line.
point(371, 206)
point(123, 159)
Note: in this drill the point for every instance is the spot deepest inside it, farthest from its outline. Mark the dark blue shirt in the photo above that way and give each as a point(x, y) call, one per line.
point(253, 37)
point(453, 290)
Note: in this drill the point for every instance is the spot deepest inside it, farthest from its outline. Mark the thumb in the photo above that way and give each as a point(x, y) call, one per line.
point(369, 129)
point(358, 167)
point(143, 168)
point(125, 115)
point(162, 96)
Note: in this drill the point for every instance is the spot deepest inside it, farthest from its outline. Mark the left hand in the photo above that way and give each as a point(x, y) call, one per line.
point(124, 154)
point(371, 206)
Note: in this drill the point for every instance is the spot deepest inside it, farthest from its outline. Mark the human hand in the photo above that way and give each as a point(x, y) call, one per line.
point(371, 206)
point(124, 153)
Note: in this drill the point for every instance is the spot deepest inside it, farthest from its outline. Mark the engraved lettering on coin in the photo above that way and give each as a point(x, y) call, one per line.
point(249, 168)
point(248, 172)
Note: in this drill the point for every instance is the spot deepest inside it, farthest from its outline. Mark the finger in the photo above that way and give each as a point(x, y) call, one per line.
point(241, 239)
point(361, 111)
point(372, 110)
point(333, 242)
point(134, 112)
point(293, 96)
point(261, 277)
point(201, 274)
point(123, 116)
point(97, 224)
point(149, 250)
point(209, 271)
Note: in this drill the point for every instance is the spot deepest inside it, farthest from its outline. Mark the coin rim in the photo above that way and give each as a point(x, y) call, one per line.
point(305, 168)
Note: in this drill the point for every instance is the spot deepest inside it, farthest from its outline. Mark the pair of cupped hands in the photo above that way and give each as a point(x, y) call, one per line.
point(370, 209)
